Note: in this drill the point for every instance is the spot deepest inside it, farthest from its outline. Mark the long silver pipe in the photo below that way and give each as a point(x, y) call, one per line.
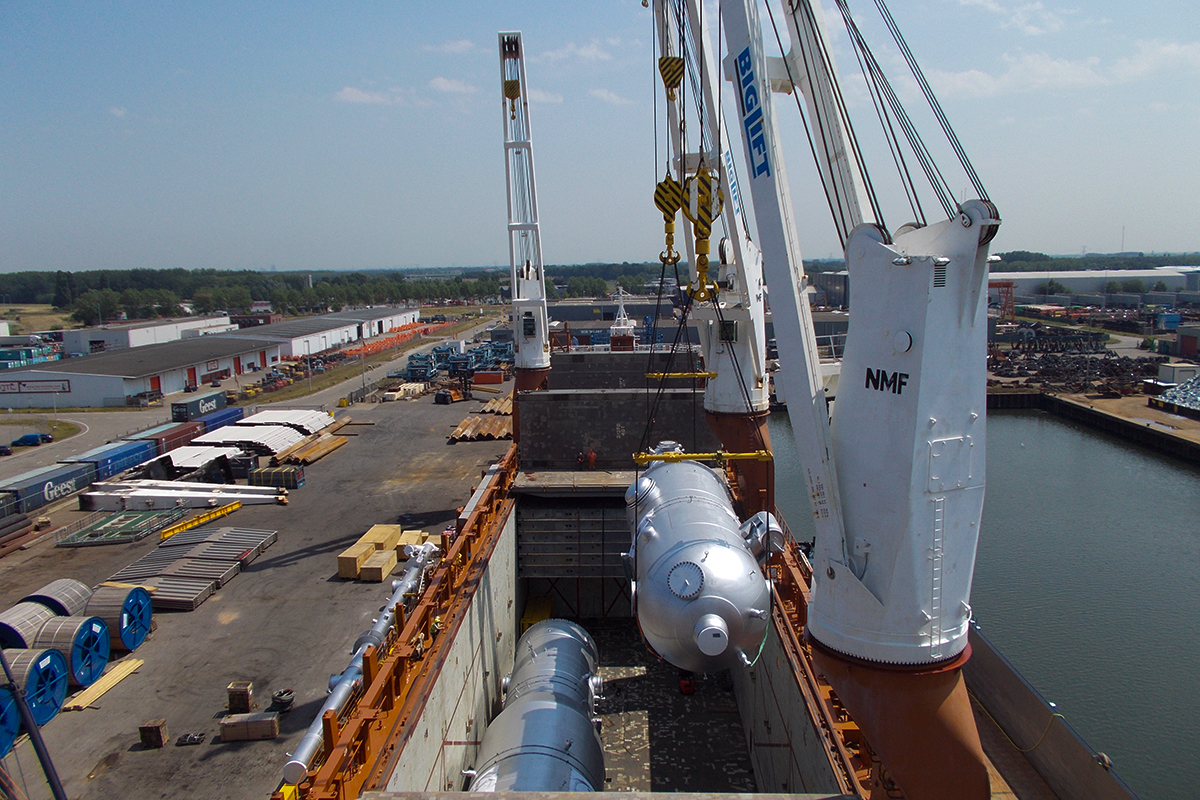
point(405, 592)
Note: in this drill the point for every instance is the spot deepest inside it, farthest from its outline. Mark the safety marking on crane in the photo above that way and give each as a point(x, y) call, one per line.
point(671, 70)
point(702, 204)
point(668, 197)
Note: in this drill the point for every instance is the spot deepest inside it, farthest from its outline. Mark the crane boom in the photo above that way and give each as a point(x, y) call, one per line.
point(531, 342)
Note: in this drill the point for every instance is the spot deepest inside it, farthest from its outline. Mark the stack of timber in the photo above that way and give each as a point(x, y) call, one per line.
point(188, 567)
point(289, 477)
point(376, 553)
point(311, 449)
point(487, 428)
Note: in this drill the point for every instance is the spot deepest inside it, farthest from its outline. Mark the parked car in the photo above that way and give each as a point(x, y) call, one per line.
point(28, 440)
point(46, 438)
point(5, 450)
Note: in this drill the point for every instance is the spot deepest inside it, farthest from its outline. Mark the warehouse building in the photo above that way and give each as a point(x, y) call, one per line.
point(97, 339)
point(298, 337)
point(123, 377)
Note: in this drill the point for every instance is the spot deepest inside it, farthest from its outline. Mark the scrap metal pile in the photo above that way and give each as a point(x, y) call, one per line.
point(1076, 373)
point(1186, 394)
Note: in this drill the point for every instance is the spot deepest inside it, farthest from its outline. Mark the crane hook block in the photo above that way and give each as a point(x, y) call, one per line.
point(668, 196)
point(671, 70)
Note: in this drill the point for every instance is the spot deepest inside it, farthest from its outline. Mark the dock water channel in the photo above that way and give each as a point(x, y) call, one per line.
point(1088, 580)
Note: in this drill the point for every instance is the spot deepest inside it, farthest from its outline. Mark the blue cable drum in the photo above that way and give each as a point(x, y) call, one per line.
point(66, 596)
point(43, 673)
point(20, 624)
point(10, 721)
point(128, 613)
point(83, 641)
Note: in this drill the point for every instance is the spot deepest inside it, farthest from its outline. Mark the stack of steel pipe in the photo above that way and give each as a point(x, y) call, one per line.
point(14, 527)
point(405, 593)
point(545, 739)
point(128, 613)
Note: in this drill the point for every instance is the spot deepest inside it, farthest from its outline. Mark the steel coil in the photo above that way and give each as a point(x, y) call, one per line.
point(127, 612)
point(83, 641)
point(20, 624)
point(10, 721)
point(67, 596)
point(43, 674)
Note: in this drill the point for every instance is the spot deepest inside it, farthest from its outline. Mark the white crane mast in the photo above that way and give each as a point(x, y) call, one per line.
point(736, 354)
point(782, 265)
point(531, 338)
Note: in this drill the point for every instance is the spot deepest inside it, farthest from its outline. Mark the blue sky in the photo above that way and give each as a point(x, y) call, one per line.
point(366, 136)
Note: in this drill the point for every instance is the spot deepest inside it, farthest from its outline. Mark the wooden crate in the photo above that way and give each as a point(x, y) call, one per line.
point(241, 697)
point(382, 537)
point(378, 566)
point(351, 559)
point(153, 733)
point(250, 727)
point(415, 538)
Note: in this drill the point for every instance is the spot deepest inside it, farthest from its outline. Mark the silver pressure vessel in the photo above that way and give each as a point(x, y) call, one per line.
point(699, 593)
point(545, 739)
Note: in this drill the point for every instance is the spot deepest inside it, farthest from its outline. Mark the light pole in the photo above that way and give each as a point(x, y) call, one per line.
point(308, 352)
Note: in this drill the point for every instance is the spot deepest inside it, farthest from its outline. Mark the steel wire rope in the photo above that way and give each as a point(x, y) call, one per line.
point(879, 79)
point(839, 99)
point(931, 98)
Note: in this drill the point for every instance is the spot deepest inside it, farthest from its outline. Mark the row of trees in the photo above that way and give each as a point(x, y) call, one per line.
point(1132, 286)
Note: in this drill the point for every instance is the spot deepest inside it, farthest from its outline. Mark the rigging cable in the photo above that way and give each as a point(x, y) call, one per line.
point(936, 107)
point(879, 82)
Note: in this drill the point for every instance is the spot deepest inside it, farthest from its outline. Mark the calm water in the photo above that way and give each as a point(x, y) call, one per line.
point(1088, 580)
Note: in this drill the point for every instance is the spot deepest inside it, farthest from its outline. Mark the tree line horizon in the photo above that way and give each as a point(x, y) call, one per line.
point(96, 295)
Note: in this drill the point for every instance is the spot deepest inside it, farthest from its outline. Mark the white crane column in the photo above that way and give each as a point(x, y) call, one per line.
point(531, 336)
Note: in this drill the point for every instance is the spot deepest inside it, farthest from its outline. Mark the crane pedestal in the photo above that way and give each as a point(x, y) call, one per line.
point(917, 720)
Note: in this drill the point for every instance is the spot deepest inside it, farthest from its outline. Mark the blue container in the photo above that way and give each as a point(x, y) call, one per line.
point(219, 419)
point(43, 486)
point(10, 721)
point(115, 458)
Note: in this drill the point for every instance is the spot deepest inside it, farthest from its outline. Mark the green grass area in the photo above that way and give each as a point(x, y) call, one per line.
point(60, 429)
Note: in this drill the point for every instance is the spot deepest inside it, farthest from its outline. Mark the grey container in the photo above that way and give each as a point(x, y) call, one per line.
point(67, 596)
point(19, 625)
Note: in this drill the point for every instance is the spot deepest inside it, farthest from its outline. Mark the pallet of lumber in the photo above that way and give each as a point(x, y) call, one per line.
point(351, 559)
point(116, 673)
point(376, 568)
